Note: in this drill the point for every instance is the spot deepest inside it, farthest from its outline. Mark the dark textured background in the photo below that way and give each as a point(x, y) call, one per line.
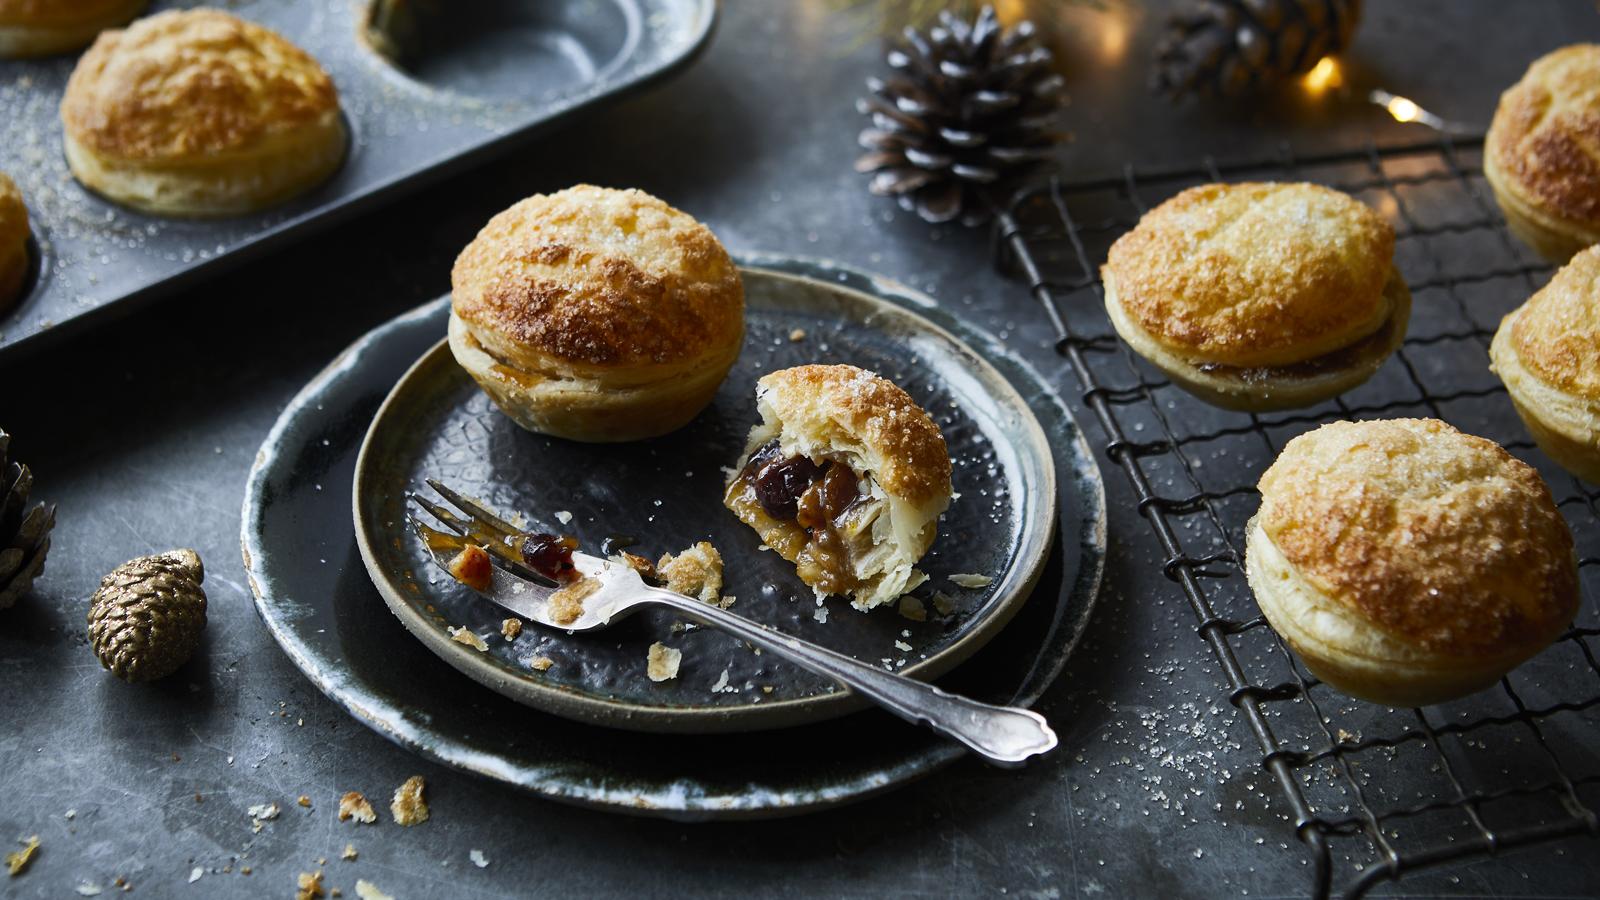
point(144, 431)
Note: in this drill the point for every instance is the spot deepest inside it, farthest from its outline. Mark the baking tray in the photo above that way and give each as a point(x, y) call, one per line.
point(506, 70)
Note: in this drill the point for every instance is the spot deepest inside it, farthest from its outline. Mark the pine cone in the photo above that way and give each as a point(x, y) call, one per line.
point(146, 618)
point(1227, 48)
point(24, 532)
point(969, 106)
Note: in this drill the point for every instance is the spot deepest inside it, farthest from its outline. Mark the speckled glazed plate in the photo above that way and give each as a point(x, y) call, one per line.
point(313, 592)
point(667, 493)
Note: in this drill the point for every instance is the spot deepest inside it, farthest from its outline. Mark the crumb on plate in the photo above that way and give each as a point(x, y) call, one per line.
point(541, 663)
point(465, 635)
point(968, 580)
point(663, 662)
point(510, 628)
point(912, 608)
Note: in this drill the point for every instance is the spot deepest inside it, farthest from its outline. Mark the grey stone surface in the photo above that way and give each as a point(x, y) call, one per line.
point(144, 431)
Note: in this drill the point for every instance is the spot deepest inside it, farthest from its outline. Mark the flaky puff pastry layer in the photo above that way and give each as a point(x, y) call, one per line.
point(31, 28)
point(858, 419)
point(200, 113)
point(1542, 153)
point(1408, 563)
point(597, 314)
point(14, 234)
point(1548, 354)
point(1255, 274)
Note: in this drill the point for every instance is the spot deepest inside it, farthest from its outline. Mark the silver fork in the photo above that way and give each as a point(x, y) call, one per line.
point(1004, 735)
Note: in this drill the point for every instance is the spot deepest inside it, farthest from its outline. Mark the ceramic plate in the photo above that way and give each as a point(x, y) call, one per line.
point(313, 593)
point(667, 494)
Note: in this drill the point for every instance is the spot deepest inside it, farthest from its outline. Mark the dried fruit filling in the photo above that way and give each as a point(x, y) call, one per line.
point(550, 555)
point(815, 496)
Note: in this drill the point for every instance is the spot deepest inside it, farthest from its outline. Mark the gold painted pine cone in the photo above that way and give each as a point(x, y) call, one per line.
point(147, 616)
point(24, 531)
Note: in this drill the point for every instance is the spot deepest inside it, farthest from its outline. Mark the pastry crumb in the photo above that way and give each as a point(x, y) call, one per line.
point(695, 571)
point(478, 859)
point(968, 580)
point(943, 603)
point(564, 517)
point(566, 605)
point(722, 683)
point(510, 628)
point(820, 614)
point(303, 800)
point(408, 806)
point(465, 635)
point(88, 889)
point(366, 890)
point(645, 568)
point(309, 886)
point(663, 662)
point(195, 874)
point(354, 806)
point(349, 852)
point(727, 601)
point(902, 646)
point(912, 608)
point(472, 568)
point(797, 335)
point(18, 862)
point(541, 663)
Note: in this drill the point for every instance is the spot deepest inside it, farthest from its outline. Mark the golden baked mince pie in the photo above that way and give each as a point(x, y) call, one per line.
point(597, 315)
point(1259, 296)
point(846, 477)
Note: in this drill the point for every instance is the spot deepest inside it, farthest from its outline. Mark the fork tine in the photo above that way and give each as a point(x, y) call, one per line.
point(474, 509)
point(494, 543)
point(451, 520)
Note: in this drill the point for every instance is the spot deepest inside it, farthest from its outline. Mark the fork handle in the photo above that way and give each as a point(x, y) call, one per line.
point(1003, 735)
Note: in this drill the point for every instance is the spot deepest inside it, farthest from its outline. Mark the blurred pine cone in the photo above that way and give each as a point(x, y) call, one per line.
point(146, 618)
point(969, 106)
point(1228, 48)
point(24, 532)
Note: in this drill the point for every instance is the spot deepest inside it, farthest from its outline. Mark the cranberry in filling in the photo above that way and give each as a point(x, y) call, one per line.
point(550, 555)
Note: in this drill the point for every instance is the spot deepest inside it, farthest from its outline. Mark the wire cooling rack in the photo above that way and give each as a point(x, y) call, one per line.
point(1373, 792)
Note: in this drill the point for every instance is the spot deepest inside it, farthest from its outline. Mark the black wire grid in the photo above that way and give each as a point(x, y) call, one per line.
point(1371, 792)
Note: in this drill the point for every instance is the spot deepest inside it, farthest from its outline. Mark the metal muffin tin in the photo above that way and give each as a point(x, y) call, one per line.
point(502, 70)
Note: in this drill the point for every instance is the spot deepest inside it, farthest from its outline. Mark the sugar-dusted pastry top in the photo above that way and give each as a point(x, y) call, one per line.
point(1546, 134)
point(1439, 538)
point(599, 277)
point(187, 85)
point(1557, 332)
point(1255, 274)
point(911, 461)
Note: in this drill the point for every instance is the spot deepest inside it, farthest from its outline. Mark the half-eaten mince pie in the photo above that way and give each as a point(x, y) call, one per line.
point(845, 477)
